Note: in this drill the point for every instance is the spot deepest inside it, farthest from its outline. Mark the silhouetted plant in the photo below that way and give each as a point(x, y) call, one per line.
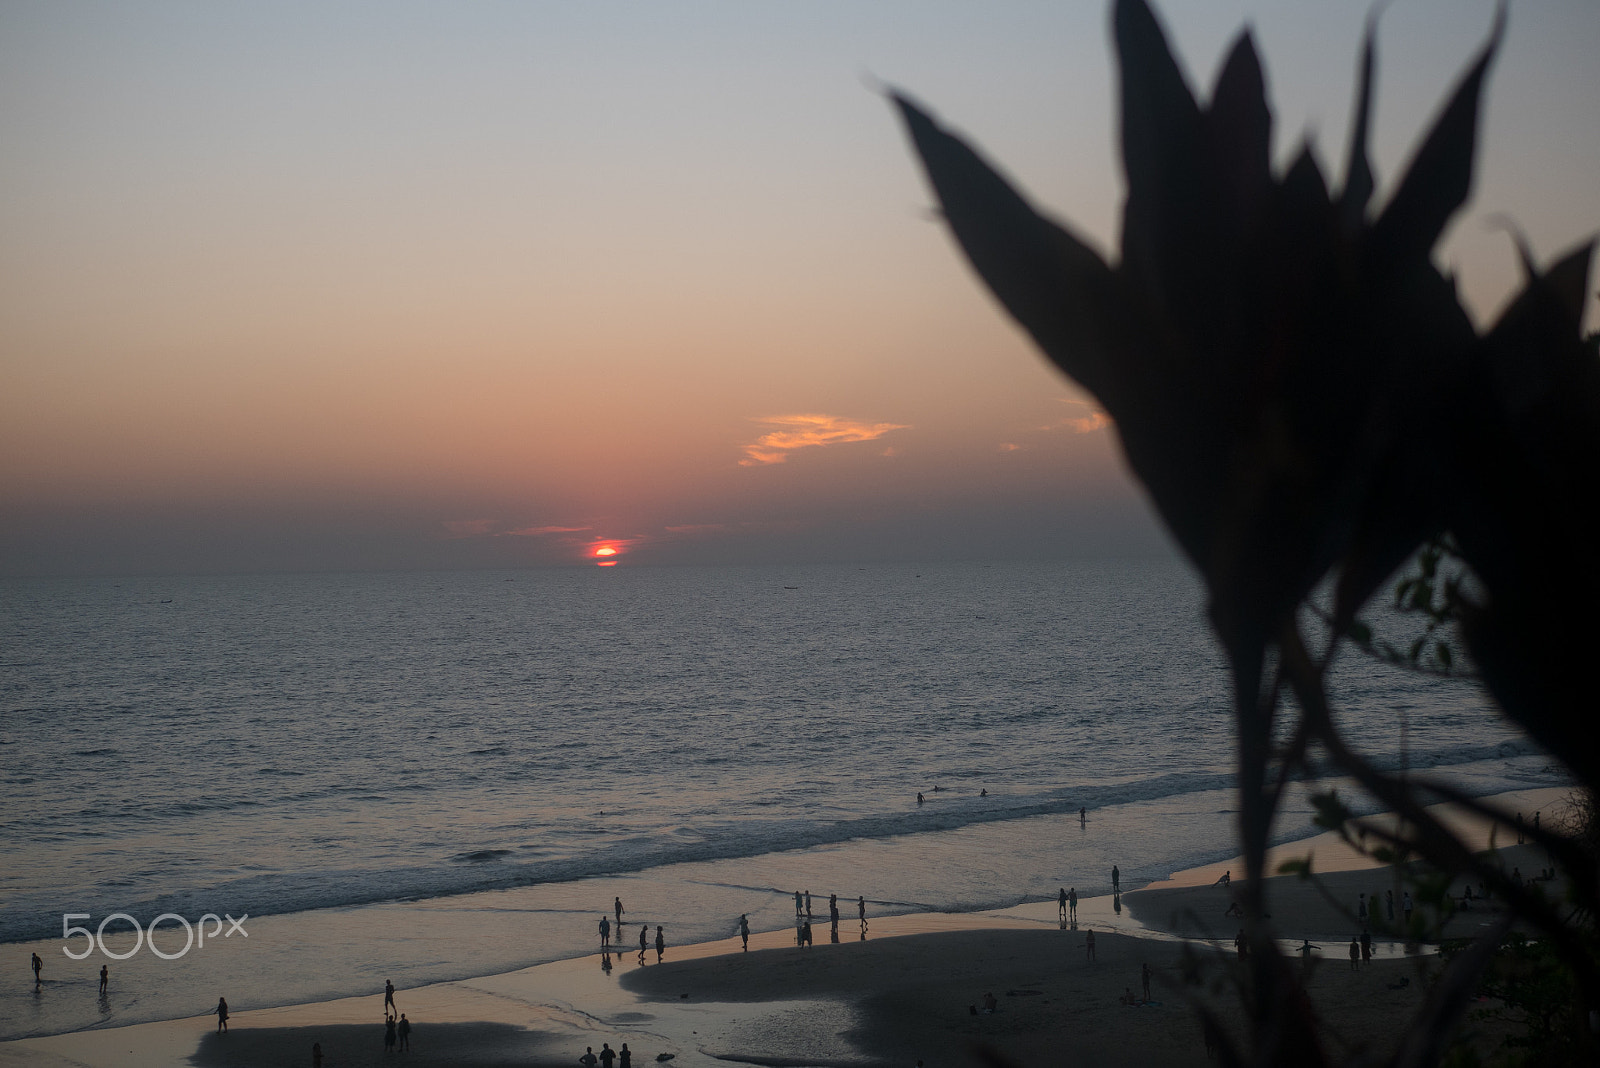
point(1308, 403)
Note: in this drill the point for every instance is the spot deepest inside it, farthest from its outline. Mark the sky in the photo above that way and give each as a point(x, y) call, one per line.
point(330, 286)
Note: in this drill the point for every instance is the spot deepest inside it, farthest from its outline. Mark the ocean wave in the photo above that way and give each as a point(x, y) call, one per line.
point(498, 867)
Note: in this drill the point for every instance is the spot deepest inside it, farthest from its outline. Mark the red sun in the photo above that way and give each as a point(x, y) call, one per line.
point(606, 555)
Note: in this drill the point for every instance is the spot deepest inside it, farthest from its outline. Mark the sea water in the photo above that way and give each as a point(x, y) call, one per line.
point(431, 776)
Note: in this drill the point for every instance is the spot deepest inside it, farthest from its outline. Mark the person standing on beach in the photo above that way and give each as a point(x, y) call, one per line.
point(661, 943)
point(607, 1055)
point(403, 1030)
point(617, 904)
point(644, 940)
point(388, 1033)
point(605, 933)
point(1366, 946)
point(797, 908)
point(388, 996)
point(1144, 977)
point(588, 1060)
point(808, 904)
point(625, 1057)
point(38, 966)
point(861, 911)
point(744, 930)
point(1116, 880)
point(1355, 952)
point(1061, 903)
point(105, 977)
point(1072, 904)
point(222, 1014)
point(1083, 816)
point(1088, 944)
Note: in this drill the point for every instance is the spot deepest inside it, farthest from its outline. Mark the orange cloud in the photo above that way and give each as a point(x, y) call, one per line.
point(1080, 424)
point(791, 432)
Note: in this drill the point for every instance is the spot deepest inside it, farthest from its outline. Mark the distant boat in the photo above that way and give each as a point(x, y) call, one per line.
point(791, 587)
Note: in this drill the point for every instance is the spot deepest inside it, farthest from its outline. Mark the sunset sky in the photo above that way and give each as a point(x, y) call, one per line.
point(372, 285)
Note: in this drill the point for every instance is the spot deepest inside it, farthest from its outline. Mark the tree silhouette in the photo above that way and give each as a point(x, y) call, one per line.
point(1308, 403)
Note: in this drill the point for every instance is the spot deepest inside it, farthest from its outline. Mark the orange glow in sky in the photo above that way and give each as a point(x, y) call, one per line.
point(221, 353)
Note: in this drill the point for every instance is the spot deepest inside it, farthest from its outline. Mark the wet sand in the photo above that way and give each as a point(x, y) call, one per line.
point(902, 994)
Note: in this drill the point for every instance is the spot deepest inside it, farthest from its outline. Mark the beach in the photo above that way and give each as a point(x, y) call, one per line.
point(908, 987)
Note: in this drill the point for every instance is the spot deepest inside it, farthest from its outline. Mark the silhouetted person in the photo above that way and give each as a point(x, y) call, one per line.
point(388, 1033)
point(316, 1055)
point(617, 904)
point(805, 933)
point(1083, 816)
point(744, 930)
point(388, 997)
point(1061, 903)
point(1144, 977)
point(1405, 902)
point(1116, 880)
point(403, 1030)
point(919, 797)
point(861, 911)
point(1366, 947)
point(607, 1055)
point(808, 904)
point(983, 793)
point(222, 1014)
point(105, 977)
point(1224, 879)
point(661, 943)
point(833, 910)
point(1088, 944)
point(605, 932)
point(644, 940)
point(1072, 904)
point(625, 1057)
point(588, 1060)
point(1355, 952)
point(38, 965)
point(797, 905)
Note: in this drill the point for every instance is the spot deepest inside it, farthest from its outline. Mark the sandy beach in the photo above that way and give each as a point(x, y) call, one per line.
point(912, 989)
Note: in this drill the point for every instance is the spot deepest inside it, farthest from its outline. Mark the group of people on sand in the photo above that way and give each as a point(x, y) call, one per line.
point(396, 1028)
point(607, 1057)
point(644, 937)
point(802, 917)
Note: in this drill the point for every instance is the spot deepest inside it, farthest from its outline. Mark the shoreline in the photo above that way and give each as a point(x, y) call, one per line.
point(819, 1013)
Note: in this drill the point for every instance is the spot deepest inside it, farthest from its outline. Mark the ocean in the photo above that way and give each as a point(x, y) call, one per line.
point(421, 777)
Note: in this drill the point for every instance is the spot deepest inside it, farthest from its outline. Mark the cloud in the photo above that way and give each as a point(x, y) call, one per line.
point(1087, 423)
point(1093, 420)
point(540, 532)
point(791, 432)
